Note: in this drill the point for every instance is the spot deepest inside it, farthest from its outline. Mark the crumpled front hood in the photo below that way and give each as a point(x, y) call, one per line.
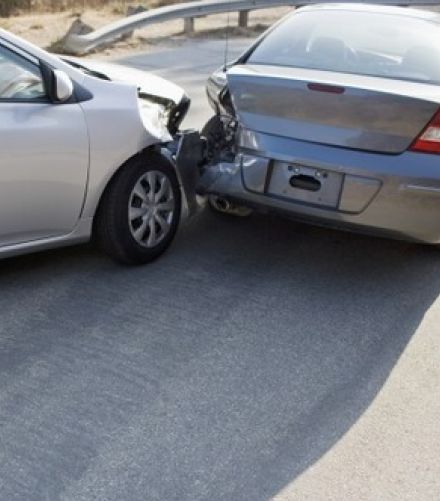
point(147, 83)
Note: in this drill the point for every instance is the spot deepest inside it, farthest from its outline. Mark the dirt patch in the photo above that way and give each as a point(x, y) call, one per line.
point(16, 7)
point(45, 30)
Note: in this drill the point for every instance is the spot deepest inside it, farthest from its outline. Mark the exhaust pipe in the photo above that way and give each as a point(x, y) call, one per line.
point(221, 204)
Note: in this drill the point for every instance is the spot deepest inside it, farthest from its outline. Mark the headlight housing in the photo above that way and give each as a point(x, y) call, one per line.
point(154, 118)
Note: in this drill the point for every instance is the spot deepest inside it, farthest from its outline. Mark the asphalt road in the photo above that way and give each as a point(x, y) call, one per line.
point(257, 359)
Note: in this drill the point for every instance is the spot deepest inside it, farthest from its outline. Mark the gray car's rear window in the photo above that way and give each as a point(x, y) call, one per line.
point(365, 43)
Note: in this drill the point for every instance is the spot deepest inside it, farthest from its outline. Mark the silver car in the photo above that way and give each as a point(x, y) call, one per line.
point(84, 154)
point(332, 117)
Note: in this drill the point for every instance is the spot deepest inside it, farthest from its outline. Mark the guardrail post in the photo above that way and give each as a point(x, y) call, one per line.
point(188, 27)
point(243, 18)
point(131, 11)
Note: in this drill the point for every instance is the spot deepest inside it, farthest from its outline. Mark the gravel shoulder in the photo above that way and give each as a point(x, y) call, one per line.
point(46, 30)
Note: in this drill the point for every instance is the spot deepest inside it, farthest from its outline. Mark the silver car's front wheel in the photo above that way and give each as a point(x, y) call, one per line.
point(151, 208)
point(140, 211)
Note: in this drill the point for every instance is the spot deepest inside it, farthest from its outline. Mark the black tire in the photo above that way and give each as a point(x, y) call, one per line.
point(113, 229)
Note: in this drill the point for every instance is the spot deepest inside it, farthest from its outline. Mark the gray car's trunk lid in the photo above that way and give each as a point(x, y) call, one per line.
point(352, 111)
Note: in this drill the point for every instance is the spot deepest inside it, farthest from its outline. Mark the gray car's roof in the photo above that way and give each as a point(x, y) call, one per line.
point(426, 15)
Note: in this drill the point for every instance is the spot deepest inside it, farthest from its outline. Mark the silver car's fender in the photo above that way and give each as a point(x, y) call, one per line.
point(118, 129)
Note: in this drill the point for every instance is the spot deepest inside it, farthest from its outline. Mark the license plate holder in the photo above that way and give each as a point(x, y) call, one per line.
point(299, 183)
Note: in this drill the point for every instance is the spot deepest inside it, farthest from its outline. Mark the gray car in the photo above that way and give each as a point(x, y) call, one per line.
point(332, 116)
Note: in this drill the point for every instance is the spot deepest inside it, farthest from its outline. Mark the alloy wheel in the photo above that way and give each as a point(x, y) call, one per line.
point(151, 208)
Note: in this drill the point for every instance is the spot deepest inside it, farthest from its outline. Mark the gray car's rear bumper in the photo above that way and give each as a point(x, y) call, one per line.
point(394, 195)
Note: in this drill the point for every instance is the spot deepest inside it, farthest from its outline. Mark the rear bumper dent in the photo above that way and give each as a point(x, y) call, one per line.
point(393, 195)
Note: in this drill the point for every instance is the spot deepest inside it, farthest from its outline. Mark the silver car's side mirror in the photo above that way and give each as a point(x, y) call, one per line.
point(63, 86)
point(58, 85)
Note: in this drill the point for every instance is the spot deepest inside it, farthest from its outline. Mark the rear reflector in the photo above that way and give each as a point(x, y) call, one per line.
point(429, 139)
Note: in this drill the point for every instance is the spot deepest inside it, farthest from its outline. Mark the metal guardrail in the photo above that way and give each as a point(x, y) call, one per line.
point(81, 44)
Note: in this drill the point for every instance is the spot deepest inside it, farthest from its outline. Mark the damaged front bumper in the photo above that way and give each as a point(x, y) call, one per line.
point(184, 149)
point(187, 152)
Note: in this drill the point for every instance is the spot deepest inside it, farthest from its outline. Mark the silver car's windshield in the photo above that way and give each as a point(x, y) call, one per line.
point(365, 43)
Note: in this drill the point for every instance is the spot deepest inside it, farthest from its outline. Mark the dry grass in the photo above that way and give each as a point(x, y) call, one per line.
point(13, 7)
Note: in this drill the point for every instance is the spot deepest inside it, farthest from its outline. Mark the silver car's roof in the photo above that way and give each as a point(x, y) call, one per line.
point(375, 8)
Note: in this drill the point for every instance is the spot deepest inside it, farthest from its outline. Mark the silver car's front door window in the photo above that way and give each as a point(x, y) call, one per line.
point(19, 78)
point(43, 156)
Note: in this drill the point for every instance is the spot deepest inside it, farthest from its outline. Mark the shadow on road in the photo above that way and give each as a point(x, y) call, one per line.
point(222, 371)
